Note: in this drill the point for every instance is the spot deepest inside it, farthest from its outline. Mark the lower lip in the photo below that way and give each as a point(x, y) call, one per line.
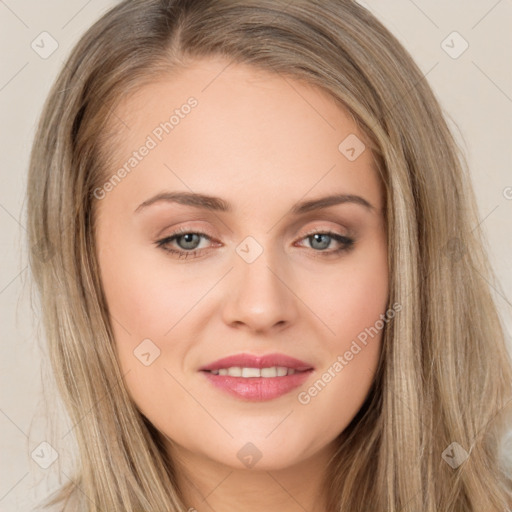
point(258, 389)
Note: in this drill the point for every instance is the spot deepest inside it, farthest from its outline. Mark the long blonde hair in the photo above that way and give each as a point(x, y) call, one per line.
point(445, 375)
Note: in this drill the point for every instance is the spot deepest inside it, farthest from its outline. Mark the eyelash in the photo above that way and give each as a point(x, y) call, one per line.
point(347, 243)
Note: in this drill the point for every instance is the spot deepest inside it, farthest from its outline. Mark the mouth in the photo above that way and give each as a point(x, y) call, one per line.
point(249, 373)
point(257, 378)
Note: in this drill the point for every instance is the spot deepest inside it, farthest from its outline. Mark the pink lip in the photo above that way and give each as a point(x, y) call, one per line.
point(258, 388)
point(250, 361)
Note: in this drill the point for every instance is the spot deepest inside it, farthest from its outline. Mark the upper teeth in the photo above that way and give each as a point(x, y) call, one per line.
point(237, 371)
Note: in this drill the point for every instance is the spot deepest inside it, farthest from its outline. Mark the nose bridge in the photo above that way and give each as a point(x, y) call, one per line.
point(259, 299)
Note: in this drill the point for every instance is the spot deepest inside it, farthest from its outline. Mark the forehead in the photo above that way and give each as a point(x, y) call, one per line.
point(248, 131)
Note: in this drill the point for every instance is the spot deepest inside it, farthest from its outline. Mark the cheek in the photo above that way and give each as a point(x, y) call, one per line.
point(141, 304)
point(351, 297)
point(333, 398)
point(146, 297)
point(144, 308)
point(356, 304)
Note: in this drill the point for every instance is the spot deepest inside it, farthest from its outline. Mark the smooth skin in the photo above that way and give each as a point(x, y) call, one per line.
point(262, 143)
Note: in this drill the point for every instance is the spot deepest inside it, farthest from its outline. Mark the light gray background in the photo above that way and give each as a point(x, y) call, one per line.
point(475, 91)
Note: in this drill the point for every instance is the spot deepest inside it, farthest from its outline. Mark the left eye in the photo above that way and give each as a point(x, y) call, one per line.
point(187, 247)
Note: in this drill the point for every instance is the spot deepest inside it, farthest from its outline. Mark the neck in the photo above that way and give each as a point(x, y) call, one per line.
point(207, 485)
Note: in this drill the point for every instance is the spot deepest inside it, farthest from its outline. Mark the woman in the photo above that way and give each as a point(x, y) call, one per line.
point(261, 270)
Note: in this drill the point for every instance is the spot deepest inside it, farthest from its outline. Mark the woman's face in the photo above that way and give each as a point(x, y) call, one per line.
point(232, 267)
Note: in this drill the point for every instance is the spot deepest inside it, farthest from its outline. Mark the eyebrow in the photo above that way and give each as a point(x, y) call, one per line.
point(213, 203)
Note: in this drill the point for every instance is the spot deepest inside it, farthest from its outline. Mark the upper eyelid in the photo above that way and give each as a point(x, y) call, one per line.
point(205, 233)
point(347, 230)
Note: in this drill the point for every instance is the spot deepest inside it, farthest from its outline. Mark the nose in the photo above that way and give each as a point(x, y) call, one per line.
point(260, 296)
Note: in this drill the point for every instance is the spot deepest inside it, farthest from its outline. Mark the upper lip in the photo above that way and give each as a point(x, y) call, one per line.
point(251, 361)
